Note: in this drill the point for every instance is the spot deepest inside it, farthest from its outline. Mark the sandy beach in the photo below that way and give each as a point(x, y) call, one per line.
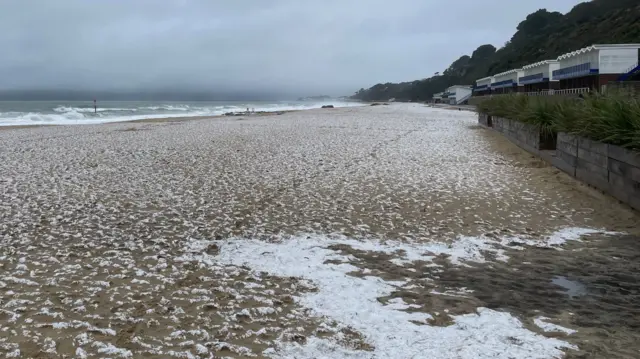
point(237, 116)
point(397, 231)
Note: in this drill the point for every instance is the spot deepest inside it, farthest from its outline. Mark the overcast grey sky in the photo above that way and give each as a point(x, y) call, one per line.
point(305, 46)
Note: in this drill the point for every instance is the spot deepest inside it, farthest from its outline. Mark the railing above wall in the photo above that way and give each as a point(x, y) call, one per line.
point(575, 91)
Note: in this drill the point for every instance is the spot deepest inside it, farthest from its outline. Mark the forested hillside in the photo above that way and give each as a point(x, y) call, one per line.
point(542, 35)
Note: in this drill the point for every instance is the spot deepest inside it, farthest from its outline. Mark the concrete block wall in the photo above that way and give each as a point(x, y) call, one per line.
point(484, 119)
point(592, 163)
point(610, 168)
point(498, 123)
point(624, 175)
point(566, 153)
point(524, 135)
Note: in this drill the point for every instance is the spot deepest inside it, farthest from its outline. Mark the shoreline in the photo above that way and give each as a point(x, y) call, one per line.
point(157, 119)
point(237, 115)
point(168, 117)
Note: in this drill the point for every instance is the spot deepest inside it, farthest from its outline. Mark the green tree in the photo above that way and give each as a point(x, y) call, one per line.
point(542, 35)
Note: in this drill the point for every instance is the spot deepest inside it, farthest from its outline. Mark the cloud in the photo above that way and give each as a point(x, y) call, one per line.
point(288, 46)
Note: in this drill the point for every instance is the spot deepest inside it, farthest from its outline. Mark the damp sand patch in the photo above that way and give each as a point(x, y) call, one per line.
point(589, 289)
point(394, 328)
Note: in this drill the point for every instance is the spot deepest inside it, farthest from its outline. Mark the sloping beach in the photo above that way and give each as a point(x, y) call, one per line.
point(397, 231)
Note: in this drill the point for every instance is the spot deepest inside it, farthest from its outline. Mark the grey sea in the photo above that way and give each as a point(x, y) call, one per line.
point(83, 112)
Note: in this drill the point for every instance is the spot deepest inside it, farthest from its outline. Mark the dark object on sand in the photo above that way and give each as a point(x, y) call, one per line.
point(375, 104)
point(327, 106)
point(386, 104)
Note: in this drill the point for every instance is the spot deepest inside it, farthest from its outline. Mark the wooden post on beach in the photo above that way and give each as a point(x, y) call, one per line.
point(95, 106)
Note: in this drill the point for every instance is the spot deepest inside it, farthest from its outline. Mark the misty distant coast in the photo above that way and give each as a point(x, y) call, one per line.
point(151, 95)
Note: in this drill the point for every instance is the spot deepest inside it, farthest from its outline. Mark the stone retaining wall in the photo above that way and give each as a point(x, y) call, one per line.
point(566, 153)
point(485, 119)
point(524, 135)
point(610, 168)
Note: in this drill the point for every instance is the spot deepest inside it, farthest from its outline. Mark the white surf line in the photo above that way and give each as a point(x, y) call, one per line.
point(353, 301)
point(550, 327)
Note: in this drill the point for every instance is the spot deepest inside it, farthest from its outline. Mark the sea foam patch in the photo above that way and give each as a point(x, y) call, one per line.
point(390, 330)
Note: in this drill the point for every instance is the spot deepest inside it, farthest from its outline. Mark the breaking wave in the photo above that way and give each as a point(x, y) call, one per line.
point(70, 115)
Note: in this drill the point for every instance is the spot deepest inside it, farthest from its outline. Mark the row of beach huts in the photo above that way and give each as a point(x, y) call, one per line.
point(589, 69)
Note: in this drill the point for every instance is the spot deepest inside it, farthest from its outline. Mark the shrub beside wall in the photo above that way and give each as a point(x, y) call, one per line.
point(597, 139)
point(613, 118)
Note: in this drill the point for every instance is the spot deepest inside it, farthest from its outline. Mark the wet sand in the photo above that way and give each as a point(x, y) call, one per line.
point(162, 120)
point(143, 239)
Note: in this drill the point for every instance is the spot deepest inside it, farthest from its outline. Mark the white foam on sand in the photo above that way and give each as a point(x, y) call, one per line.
point(557, 238)
point(550, 327)
point(352, 301)
point(573, 234)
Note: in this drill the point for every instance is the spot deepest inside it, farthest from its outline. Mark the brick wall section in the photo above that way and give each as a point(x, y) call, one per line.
point(610, 168)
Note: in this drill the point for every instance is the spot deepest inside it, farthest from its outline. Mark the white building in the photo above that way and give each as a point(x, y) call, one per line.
point(483, 86)
point(507, 81)
point(539, 76)
point(458, 94)
point(437, 97)
point(594, 66)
